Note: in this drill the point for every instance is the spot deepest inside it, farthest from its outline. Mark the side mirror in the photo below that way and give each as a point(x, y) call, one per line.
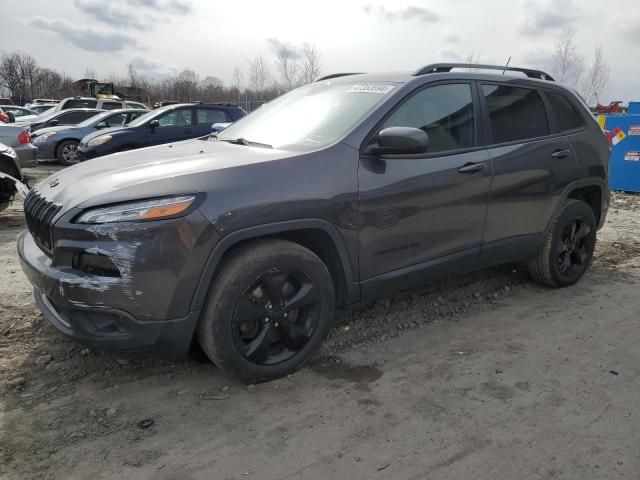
point(154, 123)
point(102, 125)
point(401, 140)
point(53, 122)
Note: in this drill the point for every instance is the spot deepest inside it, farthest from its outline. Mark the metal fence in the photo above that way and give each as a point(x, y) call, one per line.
point(249, 105)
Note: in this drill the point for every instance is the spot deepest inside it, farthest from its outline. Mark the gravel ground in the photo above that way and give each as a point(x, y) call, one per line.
point(484, 376)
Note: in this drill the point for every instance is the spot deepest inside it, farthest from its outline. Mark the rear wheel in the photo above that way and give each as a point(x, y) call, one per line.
point(268, 310)
point(67, 152)
point(568, 246)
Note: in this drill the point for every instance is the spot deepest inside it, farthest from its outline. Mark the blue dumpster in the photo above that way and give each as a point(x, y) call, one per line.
point(624, 163)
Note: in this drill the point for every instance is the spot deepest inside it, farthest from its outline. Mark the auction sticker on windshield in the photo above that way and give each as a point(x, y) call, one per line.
point(380, 88)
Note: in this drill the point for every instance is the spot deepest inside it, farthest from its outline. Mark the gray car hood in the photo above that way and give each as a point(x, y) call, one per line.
point(56, 129)
point(183, 167)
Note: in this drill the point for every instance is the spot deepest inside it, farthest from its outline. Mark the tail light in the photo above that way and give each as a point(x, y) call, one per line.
point(24, 137)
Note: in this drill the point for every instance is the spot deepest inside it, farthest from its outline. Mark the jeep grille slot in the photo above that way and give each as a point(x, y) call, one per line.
point(39, 213)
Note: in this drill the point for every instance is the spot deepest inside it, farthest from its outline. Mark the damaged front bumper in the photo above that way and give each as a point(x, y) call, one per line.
point(146, 304)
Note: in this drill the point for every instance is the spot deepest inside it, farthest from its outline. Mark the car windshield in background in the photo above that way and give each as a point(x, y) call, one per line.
point(309, 117)
point(96, 118)
point(145, 118)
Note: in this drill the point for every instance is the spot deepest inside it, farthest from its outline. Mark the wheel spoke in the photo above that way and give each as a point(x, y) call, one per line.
point(583, 231)
point(566, 261)
point(258, 348)
point(581, 253)
point(274, 283)
point(572, 236)
point(294, 335)
point(249, 310)
point(306, 295)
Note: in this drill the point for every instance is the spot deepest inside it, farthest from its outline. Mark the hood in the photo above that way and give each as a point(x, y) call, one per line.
point(56, 129)
point(183, 167)
point(102, 131)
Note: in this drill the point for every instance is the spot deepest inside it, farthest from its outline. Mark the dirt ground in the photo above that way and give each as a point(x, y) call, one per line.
point(483, 377)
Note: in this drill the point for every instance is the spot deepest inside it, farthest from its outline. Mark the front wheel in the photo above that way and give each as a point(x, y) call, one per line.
point(568, 246)
point(269, 308)
point(67, 152)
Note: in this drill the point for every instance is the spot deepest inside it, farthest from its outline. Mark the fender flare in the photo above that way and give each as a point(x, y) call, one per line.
point(576, 184)
point(228, 241)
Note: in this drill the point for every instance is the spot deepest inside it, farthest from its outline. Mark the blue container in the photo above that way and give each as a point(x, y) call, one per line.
point(624, 163)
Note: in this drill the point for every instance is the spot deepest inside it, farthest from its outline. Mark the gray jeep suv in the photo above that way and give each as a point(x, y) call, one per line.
point(335, 193)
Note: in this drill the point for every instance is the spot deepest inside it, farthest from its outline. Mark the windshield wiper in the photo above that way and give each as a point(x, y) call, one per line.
point(247, 143)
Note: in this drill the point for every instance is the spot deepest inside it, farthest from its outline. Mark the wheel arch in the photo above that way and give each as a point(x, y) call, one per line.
point(317, 235)
point(593, 191)
point(56, 147)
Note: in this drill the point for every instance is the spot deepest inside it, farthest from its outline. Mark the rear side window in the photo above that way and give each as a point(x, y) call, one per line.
point(209, 116)
point(445, 112)
point(515, 113)
point(567, 115)
point(79, 103)
point(111, 105)
point(72, 118)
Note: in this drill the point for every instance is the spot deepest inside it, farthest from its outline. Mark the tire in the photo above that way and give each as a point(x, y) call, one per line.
point(237, 314)
point(67, 152)
point(568, 246)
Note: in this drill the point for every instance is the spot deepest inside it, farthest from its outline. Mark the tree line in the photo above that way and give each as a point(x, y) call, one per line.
point(22, 79)
point(261, 78)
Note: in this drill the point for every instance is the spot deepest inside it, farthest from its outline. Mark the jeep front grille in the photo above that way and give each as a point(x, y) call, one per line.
point(39, 213)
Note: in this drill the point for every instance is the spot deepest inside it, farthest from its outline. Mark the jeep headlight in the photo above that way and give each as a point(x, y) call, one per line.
point(156, 209)
point(98, 140)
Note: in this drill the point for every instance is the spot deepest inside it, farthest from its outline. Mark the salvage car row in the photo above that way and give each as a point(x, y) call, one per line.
point(78, 128)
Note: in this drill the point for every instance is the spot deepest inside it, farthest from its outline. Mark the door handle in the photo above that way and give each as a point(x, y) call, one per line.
point(472, 167)
point(561, 154)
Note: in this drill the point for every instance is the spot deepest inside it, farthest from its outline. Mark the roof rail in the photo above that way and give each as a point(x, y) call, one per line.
point(336, 75)
point(447, 67)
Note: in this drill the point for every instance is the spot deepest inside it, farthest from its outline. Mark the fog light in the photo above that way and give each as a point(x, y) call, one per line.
point(95, 264)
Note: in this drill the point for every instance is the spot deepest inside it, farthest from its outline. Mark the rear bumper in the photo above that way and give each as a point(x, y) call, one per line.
point(27, 155)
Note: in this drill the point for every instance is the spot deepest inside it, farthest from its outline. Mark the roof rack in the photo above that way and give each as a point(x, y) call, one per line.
point(336, 75)
point(447, 67)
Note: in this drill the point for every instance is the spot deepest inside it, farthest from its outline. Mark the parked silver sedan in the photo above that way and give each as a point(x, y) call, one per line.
point(19, 139)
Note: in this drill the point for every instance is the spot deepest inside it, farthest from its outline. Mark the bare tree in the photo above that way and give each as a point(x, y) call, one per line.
point(287, 65)
point(596, 79)
point(567, 64)
point(186, 85)
point(89, 73)
point(258, 75)
point(311, 67)
point(212, 89)
point(236, 81)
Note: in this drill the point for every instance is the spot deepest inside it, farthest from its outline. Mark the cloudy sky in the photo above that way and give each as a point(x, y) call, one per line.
point(212, 37)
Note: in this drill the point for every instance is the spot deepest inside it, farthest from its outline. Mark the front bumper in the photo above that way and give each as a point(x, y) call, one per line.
point(27, 155)
point(147, 305)
point(87, 153)
point(46, 151)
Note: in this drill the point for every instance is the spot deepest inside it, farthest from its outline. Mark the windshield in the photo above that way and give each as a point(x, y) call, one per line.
point(309, 117)
point(95, 119)
point(145, 118)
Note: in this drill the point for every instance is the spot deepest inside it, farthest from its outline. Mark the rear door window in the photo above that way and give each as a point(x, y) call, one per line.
point(567, 115)
point(80, 103)
point(209, 116)
point(515, 113)
point(72, 118)
point(111, 105)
